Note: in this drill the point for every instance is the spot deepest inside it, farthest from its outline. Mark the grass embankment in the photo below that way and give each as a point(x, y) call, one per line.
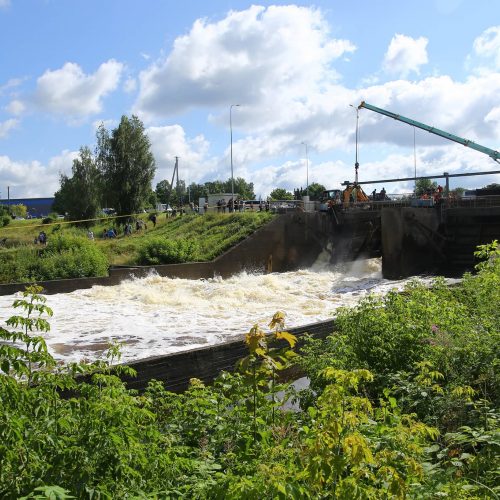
point(70, 254)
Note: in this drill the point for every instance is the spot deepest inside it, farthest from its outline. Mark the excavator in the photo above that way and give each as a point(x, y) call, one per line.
point(353, 193)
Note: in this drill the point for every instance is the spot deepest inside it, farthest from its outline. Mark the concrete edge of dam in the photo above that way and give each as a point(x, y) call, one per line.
point(205, 363)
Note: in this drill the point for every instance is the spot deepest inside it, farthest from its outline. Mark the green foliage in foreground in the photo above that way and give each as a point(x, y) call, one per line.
point(63, 257)
point(373, 425)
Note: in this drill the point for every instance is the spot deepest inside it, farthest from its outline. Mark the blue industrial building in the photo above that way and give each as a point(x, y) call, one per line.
point(37, 207)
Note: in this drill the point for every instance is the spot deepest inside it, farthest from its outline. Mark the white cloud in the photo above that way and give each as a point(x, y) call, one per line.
point(460, 108)
point(4, 3)
point(10, 84)
point(130, 85)
point(15, 107)
point(493, 118)
point(405, 55)
point(293, 174)
point(7, 126)
point(194, 163)
point(108, 124)
point(69, 91)
point(253, 57)
point(24, 177)
point(487, 49)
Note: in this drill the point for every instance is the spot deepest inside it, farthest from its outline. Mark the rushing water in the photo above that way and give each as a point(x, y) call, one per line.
point(156, 315)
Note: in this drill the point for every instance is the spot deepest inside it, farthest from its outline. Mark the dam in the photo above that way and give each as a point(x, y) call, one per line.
point(189, 319)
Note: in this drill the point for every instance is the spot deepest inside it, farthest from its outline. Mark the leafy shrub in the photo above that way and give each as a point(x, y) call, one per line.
point(159, 250)
point(63, 257)
point(5, 220)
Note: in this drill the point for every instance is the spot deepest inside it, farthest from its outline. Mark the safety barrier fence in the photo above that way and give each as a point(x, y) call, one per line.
point(278, 206)
point(408, 201)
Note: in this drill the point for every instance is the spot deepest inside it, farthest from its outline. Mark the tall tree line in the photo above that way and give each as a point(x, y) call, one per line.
point(194, 191)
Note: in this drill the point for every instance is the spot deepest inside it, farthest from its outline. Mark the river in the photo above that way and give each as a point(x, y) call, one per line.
point(156, 315)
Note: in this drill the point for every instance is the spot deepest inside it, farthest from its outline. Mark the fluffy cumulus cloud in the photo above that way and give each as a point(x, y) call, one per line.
point(487, 48)
point(405, 55)
point(254, 57)
point(194, 163)
point(24, 177)
point(462, 108)
point(293, 174)
point(15, 107)
point(71, 92)
point(7, 126)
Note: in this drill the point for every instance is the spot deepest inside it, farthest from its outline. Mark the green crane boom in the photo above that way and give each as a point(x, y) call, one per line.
point(465, 142)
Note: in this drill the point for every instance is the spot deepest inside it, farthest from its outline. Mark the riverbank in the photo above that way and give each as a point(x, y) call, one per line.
point(70, 253)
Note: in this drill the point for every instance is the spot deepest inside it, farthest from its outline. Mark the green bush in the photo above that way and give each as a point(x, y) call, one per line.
point(5, 220)
point(159, 250)
point(63, 257)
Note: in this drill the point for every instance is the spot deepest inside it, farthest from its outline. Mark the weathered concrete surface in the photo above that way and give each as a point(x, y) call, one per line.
point(465, 228)
point(287, 242)
point(411, 241)
point(436, 240)
point(205, 363)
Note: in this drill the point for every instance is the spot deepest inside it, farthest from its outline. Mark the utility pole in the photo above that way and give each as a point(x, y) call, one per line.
point(175, 175)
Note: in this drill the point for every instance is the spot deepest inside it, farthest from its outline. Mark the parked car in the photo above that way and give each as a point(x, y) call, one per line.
point(251, 204)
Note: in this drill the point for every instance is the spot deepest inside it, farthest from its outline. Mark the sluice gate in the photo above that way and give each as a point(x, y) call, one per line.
point(413, 240)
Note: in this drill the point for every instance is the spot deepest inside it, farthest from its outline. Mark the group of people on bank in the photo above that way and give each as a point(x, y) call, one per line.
point(238, 205)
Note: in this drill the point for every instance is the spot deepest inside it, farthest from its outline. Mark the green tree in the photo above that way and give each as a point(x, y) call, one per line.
point(127, 165)
point(19, 210)
point(197, 191)
point(179, 194)
point(281, 194)
point(162, 191)
point(316, 191)
point(216, 187)
point(152, 199)
point(243, 188)
point(79, 195)
point(423, 186)
point(458, 192)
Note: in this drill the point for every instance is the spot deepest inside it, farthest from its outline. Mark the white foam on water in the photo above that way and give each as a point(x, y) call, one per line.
point(156, 315)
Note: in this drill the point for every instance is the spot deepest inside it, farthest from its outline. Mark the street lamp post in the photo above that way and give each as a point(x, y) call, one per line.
point(307, 169)
point(231, 131)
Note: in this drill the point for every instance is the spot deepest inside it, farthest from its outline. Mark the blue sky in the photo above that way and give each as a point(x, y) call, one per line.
point(66, 66)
